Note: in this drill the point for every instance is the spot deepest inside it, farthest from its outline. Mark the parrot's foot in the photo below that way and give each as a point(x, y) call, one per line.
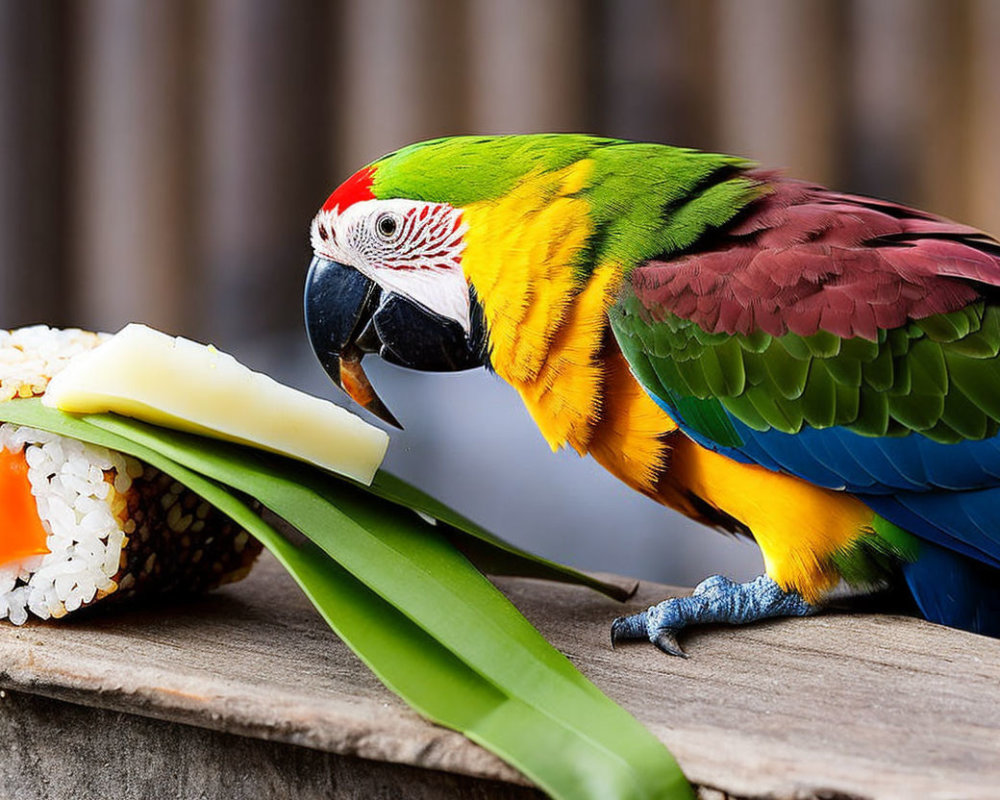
point(715, 599)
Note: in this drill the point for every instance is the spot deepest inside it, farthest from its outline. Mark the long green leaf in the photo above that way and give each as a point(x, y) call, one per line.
point(551, 722)
point(489, 552)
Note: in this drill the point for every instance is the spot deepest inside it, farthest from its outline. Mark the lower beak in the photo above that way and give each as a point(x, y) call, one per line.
point(339, 302)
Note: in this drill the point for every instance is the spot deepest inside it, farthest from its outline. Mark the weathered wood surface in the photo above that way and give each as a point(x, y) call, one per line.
point(96, 754)
point(834, 706)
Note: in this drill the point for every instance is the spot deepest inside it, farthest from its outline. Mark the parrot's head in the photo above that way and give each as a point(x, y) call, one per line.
point(387, 273)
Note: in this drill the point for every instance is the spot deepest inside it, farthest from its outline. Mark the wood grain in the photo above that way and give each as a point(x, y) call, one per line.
point(839, 705)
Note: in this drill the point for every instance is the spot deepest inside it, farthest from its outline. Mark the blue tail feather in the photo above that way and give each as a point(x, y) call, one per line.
point(953, 590)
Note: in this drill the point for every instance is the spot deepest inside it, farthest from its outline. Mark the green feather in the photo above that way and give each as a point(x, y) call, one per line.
point(873, 414)
point(845, 370)
point(788, 374)
point(950, 327)
point(795, 346)
point(918, 412)
point(779, 413)
point(723, 367)
point(979, 381)
point(819, 400)
point(668, 375)
point(862, 350)
point(755, 342)
point(755, 368)
point(464, 169)
point(977, 345)
point(964, 416)
point(927, 367)
point(902, 383)
point(873, 558)
point(730, 356)
point(692, 371)
point(709, 418)
point(879, 373)
point(823, 344)
point(848, 401)
point(742, 407)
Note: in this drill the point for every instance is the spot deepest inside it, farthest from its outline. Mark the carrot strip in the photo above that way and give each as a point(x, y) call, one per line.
point(21, 531)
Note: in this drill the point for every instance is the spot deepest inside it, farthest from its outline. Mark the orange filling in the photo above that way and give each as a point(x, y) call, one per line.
point(21, 531)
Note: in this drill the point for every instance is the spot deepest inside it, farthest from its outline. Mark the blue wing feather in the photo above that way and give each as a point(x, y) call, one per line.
point(952, 590)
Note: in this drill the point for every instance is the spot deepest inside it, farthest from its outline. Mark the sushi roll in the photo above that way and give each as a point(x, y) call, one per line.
point(81, 524)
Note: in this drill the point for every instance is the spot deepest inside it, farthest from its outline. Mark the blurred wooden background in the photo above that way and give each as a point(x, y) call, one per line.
point(161, 159)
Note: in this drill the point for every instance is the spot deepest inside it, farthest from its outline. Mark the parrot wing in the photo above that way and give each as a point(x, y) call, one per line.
point(848, 341)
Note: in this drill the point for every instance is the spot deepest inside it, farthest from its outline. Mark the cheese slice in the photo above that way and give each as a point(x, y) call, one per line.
point(177, 383)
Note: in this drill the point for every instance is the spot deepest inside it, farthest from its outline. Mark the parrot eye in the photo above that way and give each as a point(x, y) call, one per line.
point(386, 225)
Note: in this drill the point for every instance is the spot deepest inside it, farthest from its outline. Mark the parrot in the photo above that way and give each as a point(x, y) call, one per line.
point(816, 370)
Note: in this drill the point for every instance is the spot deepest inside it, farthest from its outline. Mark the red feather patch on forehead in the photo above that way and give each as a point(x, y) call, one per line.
point(355, 189)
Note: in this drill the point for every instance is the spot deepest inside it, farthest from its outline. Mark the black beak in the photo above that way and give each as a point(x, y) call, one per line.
point(339, 303)
point(348, 316)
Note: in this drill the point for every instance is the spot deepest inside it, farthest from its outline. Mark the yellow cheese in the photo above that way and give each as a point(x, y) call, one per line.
point(181, 384)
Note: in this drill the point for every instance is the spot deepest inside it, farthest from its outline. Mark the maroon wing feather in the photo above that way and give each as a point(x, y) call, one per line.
point(804, 259)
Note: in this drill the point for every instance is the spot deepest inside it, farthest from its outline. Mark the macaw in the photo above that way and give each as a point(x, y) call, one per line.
point(817, 370)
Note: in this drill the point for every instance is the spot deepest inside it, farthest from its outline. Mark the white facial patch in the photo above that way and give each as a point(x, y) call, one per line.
point(406, 246)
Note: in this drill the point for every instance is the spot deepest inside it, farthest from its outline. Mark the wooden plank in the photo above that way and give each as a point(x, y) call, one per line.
point(136, 758)
point(655, 71)
point(397, 77)
point(261, 134)
point(526, 67)
point(33, 208)
point(863, 706)
point(890, 82)
point(984, 125)
point(132, 93)
point(778, 99)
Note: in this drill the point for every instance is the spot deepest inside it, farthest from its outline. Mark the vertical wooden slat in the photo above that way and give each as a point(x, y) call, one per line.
point(944, 124)
point(262, 174)
point(130, 243)
point(778, 83)
point(399, 76)
point(891, 79)
point(653, 71)
point(984, 133)
point(32, 170)
point(910, 87)
point(527, 66)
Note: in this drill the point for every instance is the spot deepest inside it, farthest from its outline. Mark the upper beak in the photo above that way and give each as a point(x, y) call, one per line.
point(339, 302)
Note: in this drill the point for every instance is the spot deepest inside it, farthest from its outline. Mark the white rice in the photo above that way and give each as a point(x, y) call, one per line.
point(67, 478)
point(84, 536)
point(30, 357)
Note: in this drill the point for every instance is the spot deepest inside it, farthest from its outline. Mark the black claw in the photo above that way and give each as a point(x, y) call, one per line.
point(667, 642)
point(616, 631)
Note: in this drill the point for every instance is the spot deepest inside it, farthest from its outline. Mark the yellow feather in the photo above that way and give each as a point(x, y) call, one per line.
point(564, 397)
point(629, 440)
point(576, 176)
point(519, 255)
